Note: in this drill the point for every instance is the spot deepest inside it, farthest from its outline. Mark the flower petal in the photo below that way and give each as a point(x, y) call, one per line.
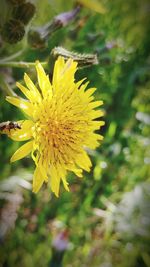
point(43, 168)
point(62, 71)
point(24, 133)
point(35, 92)
point(22, 151)
point(54, 180)
point(96, 125)
point(59, 66)
point(76, 170)
point(93, 140)
point(95, 104)
point(94, 114)
point(62, 173)
point(24, 90)
point(43, 80)
point(20, 103)
point(83, 161)
point(38, 179)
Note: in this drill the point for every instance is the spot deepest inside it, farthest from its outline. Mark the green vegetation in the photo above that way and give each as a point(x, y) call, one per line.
point(104, 220)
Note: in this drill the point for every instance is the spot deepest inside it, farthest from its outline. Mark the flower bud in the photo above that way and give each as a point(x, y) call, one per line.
point(16, 2)
point(35, 39)
point(24, 12)
point(38, 37)
point(84, 60)
point(13, 31)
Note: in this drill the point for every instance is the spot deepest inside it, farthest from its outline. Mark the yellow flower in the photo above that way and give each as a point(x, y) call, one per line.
point(60, 126)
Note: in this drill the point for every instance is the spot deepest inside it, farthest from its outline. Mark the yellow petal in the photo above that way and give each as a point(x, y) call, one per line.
point(76, 170)
point(59, 65)
point(96, 114)
point(54, 180)
point(69, 69)
point(43, 169)
point(83, 161)
point(22, 151)
point(62, 173)
point(78, 84)
point(65, 183)
point(38, 179)
point(93, 140)
point(43, 80)
point(24, 133)
point(32, 87)
point(24, 90)
point(96, 125)
point(95, 104)
point(84, 86)
point(21, 103)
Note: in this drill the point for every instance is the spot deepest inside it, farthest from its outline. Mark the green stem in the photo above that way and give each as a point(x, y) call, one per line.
point(13, 56)
point(20, 64)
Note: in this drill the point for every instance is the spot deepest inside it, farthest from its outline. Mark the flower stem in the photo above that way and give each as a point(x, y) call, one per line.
point(13, 56)
point(20, 64)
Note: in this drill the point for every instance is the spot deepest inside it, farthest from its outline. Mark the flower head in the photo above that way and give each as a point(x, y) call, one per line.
point(61, 124)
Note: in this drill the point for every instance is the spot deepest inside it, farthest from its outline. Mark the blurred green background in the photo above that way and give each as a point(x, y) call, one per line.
point(104, 220)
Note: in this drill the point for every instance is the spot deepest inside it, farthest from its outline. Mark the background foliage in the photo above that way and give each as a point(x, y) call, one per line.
point(104, 219)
